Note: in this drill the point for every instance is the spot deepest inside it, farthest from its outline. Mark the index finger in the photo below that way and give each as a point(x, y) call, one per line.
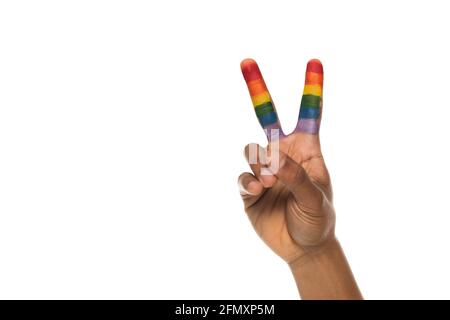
point(261, 99)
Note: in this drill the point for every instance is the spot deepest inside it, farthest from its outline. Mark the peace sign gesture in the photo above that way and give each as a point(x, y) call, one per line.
point(291, 208)
point(290, 204)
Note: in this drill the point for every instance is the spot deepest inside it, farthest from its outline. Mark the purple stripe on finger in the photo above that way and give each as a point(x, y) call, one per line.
point(310, 126)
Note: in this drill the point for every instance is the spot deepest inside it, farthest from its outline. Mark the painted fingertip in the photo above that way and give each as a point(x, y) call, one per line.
point(250, 70)
point(314, 65)
point(247, 62)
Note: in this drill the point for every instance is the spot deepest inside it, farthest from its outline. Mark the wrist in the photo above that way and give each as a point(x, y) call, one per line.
point(324, 273)
point(313, 254)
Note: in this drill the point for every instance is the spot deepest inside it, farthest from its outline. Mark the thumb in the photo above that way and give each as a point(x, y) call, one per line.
point(296, 179)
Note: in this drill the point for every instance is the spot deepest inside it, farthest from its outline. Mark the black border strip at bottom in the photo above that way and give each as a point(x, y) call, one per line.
point(219, 309)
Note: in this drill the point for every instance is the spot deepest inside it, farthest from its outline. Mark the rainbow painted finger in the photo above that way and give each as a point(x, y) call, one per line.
point(311, 105)
point(262, 102)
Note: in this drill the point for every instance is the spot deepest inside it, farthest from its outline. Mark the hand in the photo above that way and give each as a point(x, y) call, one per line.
point(291, 207)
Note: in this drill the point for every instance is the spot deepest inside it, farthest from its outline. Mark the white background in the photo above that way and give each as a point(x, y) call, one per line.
point(122, 125)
